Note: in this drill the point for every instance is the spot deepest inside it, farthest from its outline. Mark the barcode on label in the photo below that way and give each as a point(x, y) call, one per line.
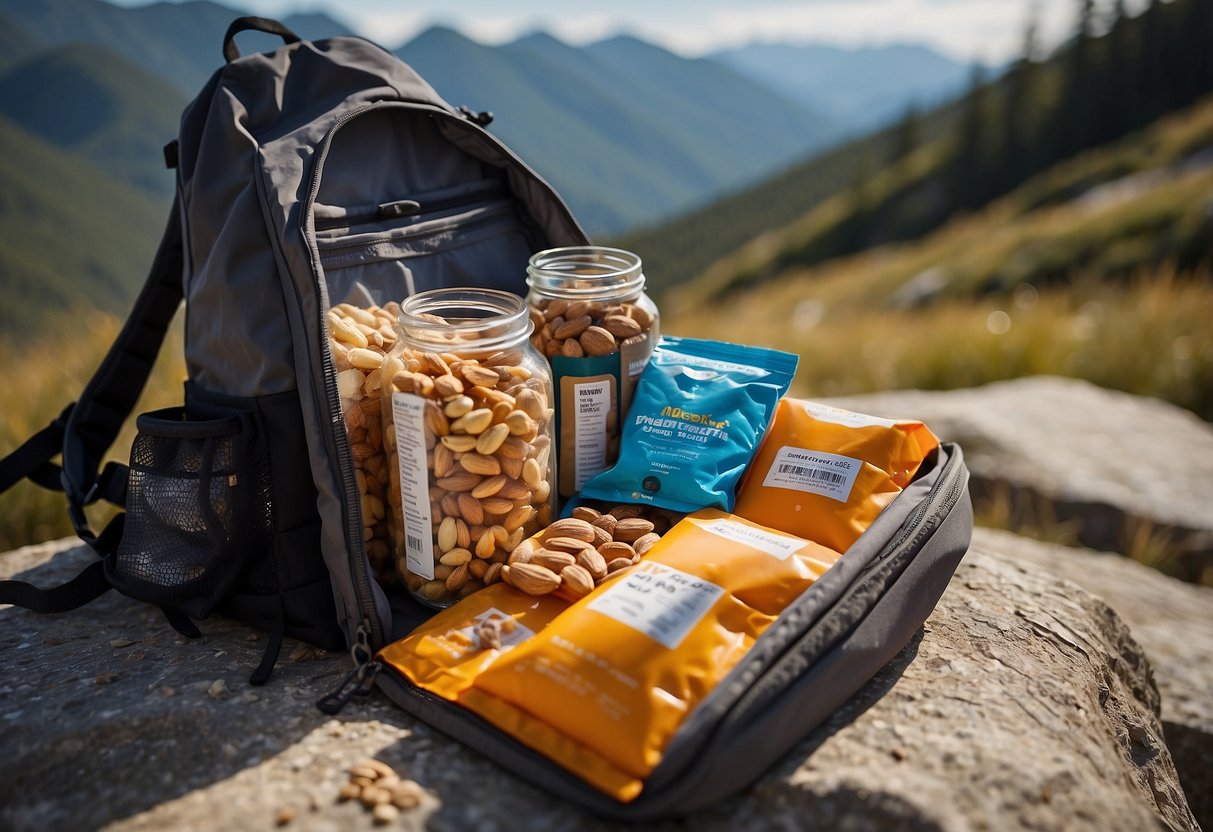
point(819, 474)
point(813, 472)
point(414, 543)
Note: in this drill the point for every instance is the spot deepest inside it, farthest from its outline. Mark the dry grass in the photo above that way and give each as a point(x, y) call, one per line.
point(43, 376)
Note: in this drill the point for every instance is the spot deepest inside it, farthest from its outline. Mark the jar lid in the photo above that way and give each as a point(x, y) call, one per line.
point(457, 320)
point(585, 272)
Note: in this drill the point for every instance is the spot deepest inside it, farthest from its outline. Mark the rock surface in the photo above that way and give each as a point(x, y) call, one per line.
point(1127, 473)
point(1171, 620)
point(1024, 702)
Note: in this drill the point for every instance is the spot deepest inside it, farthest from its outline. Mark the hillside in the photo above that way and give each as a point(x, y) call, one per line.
point(71, 237)
point(1100, 268)
point(100, 106)
point(913, 176)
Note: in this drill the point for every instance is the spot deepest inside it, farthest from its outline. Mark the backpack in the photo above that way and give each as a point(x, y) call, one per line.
point(242, 501)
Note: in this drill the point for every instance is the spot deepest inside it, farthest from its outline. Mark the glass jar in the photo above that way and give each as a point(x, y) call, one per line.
point(597, 327)
point(467, 428)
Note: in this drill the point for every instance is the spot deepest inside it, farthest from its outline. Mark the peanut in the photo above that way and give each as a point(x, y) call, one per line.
point(360, 361)
point(480, 439)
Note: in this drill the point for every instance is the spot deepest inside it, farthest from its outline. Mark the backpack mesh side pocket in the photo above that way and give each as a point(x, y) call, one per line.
point(198, 510)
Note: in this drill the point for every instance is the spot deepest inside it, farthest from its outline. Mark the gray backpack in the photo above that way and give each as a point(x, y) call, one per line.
point(329, 171)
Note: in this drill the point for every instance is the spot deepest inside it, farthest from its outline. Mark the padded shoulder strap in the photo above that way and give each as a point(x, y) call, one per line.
point(96, 419)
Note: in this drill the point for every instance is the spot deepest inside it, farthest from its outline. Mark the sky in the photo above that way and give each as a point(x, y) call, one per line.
point(990, 31)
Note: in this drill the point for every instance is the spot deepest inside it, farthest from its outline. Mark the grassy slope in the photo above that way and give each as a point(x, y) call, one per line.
point(48, 197)
point(1032, 264)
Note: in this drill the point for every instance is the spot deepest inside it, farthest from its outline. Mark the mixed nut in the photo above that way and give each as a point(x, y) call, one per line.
point(359, 340)
point(488, 462)
point(575, 554)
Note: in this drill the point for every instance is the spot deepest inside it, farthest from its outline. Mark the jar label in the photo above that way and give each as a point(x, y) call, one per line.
point(587, 416)
point(408, 411)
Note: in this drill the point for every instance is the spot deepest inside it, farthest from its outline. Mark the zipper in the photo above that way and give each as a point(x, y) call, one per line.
point(912, 528)
point(359, 566)
point(371, 627)
point(358, 682)
point(541, 771)
point(410, 208)
point(484, 214)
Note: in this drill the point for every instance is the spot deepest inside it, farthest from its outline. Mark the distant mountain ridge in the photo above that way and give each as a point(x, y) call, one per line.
point(862, 87)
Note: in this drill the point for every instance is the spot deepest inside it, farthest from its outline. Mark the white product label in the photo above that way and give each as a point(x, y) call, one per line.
point(408, 410)
point(849, 418)
point(662, 602)
point(776, 545)
point(815, 472)
point(592, 403)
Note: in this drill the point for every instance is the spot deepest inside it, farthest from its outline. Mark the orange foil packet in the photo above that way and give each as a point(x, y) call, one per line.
point(824, 473)
point(602, 687)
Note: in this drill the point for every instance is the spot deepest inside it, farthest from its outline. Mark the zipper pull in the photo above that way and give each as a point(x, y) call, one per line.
point(359, 681)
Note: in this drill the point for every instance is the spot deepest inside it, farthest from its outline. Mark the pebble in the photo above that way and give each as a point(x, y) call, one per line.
point(284, 816)
point(218, 690)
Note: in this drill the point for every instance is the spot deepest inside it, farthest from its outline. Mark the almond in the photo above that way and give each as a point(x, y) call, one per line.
point(459, 444)
point(462, 481)
point(519, 517)
point(586, 513)
point(607, 523)
point(470, 509)
point(592, 562)
point(566, 544)
point(597, 341)
point(497, 505)
point(531, 403)
point(632, 528)
point(570, 527)
point(485, 466)
point(479, 376)
point(487, 487)
point(645, 542)
point(621, 326)
point(617, 564)
point(447, 386)
point(455, 557)
point(571, 328)
point(616, 549)
point(552, 559)
point(576, 580)
point(530, 578)
point(522, 552)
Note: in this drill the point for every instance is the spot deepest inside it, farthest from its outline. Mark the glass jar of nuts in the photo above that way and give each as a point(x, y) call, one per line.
point(467, 428)
point(597, 327)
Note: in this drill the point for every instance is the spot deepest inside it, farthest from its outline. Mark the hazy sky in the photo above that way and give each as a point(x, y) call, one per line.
point(988, 30)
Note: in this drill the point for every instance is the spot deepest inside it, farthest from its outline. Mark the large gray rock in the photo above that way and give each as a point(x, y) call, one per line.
point(1171, 620)
point(1024, 702)
point(1124, 473)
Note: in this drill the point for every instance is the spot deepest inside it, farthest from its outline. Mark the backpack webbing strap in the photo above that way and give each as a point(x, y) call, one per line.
point(272, 648)
point(33, 458)
point(97, 418)
point(88, 585)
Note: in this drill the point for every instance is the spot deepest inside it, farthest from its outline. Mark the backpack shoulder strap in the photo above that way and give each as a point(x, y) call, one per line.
point(86, 429)
point(97, 417)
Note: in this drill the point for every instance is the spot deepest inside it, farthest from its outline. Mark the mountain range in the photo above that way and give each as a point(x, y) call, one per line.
point(629, 133)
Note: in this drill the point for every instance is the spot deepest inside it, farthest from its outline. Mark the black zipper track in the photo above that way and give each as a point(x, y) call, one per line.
point(538, 769)
point(359, 564)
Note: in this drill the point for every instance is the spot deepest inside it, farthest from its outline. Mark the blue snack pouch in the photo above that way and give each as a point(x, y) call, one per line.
point(697, 417)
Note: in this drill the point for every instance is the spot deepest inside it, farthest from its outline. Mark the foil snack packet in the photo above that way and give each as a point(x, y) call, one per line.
point(825, 473)
point(697, 417)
